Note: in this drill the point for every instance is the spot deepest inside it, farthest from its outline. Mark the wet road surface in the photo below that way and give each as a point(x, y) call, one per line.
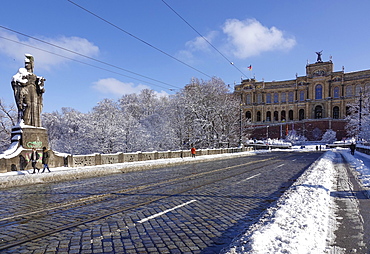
point(192, 208)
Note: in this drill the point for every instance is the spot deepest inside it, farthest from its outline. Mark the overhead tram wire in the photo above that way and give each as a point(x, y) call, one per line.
point(88, 57)
point(91, 65)
point(141, 40)
point(204, 38)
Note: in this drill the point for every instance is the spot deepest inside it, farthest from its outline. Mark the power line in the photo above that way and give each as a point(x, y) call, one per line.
point(137, 38)
point(79, 54)
point(81, 62)
point(204, 38)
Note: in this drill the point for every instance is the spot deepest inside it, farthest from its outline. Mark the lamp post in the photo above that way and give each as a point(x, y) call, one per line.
point(240, 119)
point(360, 116)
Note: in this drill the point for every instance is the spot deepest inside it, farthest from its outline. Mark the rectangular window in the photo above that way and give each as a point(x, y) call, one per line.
point(283, 97)
point(268, 98)
point(291, 97)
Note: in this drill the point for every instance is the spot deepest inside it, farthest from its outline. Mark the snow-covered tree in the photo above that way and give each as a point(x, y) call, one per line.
point(8, 118)
point(67, 131)
point(295, 138)
point(204, 113)
point(329, 136)
point(105, 132)
point(211, 113)
point(353, 118)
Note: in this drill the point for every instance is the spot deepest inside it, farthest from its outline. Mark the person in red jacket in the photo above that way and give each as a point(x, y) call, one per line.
point(193, 151)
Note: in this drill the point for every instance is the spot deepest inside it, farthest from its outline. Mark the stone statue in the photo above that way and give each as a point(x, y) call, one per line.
point(319, 60)
point(28, 90)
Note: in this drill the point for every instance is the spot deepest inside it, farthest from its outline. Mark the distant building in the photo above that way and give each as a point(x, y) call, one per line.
point(309, 104)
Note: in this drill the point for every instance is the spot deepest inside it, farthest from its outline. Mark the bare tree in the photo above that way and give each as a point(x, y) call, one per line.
point(8, 116)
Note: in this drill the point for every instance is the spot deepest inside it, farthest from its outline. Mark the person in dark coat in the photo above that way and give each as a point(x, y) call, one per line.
point(45, 159)
point(34, 158)
point(352, 147)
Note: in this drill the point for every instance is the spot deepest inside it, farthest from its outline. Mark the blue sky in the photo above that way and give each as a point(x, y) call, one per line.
point(276, 37)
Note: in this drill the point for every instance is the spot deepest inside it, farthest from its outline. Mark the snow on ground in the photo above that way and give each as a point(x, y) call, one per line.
point(299, 222)
point(360, 162)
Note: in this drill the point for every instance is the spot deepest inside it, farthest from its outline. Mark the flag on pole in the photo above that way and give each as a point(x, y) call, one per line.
point(250, 67)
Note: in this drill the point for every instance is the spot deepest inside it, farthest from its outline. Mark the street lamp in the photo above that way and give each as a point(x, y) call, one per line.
point(360, 116)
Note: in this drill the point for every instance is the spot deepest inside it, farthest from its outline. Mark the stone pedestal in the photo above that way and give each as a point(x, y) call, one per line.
point(30, 137)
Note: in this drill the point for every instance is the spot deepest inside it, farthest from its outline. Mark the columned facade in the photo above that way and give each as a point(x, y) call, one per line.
point(321, 96)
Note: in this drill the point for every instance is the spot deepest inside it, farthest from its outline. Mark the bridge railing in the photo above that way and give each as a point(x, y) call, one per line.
point(20, 160)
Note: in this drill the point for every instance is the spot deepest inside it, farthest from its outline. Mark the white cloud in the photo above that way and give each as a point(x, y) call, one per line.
point(117, 88)
point(196, 45)
point(249, 38)
point(199, 43)
point(16, 48)
point(244, 38)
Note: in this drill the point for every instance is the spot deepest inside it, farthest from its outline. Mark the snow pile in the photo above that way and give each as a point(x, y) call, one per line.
point(300, 220)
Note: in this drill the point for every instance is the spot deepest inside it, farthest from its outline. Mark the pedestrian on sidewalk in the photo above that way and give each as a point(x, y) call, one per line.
point(34, 158)
point(45, 159)
point(193, 151)
point(352, 147)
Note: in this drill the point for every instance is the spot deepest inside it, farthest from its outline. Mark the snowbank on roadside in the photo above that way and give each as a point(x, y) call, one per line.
point(300, 220)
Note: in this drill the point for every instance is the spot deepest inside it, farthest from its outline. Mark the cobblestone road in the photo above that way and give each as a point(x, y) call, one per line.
point(193, 208)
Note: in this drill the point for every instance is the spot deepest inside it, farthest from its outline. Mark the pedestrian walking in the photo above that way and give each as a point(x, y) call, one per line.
point(193, 152)
point(45, 159)
point(34, 158)
point(352, 147)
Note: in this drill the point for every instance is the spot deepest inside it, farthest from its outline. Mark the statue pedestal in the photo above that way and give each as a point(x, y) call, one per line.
point(30, 137)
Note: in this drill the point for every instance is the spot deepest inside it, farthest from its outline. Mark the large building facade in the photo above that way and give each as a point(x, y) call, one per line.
point(309, 104)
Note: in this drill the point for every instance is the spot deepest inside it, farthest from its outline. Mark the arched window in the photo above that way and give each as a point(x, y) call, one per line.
point(336, 112)
point(358, 89)
point(282, 115)
point(276, 116)
point(318, 112)
point(336, 92)
point(258, 116)
point(301, 95)
point(268, 98)
point(248, 115)
point(301, 114)
point(367, 88)
point(318, 92)
point(248, 99)
point(290, 115)
point(290, 97)
point(349, 91)
point(268, 116)
point(276, 98)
